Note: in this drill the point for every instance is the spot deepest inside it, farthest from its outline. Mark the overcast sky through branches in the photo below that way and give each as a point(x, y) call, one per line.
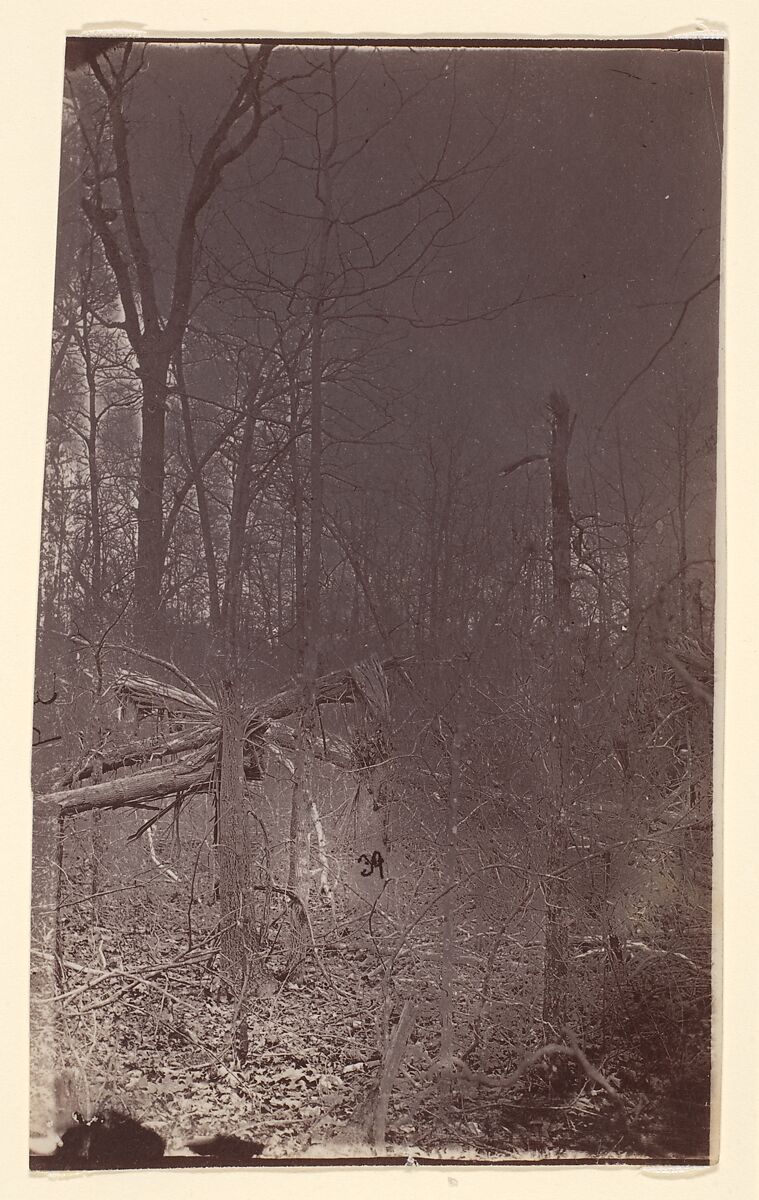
point(594, 211)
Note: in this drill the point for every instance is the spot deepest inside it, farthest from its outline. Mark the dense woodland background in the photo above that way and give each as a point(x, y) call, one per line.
point(373, 723)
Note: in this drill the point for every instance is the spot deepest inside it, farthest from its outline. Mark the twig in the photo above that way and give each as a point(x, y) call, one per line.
point(661, 347)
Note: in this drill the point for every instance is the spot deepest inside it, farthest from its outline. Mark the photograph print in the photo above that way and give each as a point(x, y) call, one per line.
point(372, 760)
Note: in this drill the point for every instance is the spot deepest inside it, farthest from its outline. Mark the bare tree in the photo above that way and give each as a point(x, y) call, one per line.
point(155, 331)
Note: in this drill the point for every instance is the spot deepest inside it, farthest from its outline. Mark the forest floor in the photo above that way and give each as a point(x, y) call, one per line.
point(161, 1049)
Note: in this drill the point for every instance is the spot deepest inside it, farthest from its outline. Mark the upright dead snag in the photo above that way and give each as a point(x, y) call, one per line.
point(240, 938)
point(555, 966)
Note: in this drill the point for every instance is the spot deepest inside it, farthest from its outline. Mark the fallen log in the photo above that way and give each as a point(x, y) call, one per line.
point(158, 782)
point(141, 788)
point(130, 754)
point(146, 694)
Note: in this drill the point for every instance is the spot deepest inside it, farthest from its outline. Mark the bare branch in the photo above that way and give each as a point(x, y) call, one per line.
point(662, 346)
point(523, 462)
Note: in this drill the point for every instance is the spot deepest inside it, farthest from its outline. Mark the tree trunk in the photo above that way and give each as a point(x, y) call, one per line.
point(299, 871)
point(44, 1012)
point(555, 968)
point(391, 1062)
point(370, 829)
point(300, 842)
point(448, 944)
point(96, 573)
point(149, 565)
point(241, 499)
point(240, 947)
point(204, 515)
point(631, 550)
point(299, 601)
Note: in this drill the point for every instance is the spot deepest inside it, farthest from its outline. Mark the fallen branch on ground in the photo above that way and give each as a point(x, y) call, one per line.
point(551, 1049)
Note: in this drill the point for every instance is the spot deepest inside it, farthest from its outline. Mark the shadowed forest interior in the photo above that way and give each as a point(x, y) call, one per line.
point(372, 757)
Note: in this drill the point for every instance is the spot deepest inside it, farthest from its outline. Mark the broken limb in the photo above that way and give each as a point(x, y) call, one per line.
point(137, 789)
point(570, 1049)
